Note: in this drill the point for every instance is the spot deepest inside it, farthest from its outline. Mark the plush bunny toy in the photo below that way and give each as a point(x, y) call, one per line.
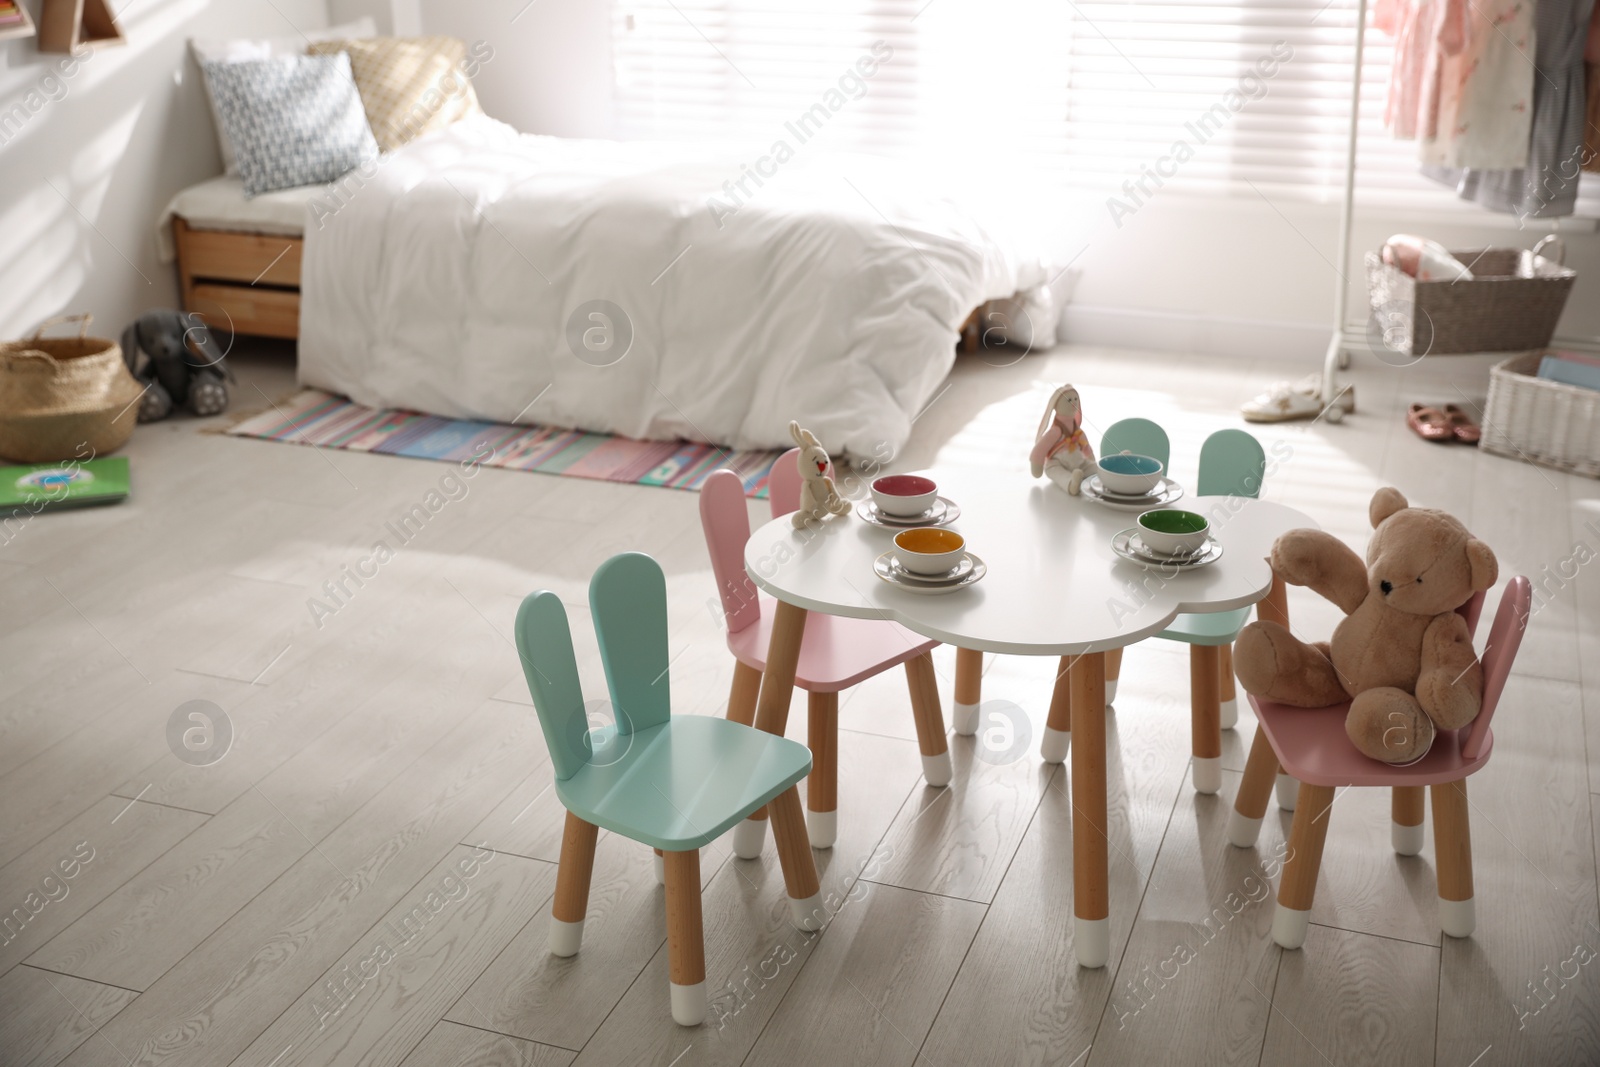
point(157, 348)
point(818, 497)
point(1061, 449)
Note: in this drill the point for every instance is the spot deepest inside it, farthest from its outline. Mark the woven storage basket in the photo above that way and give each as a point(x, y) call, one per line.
point(64, 397)
point(1494, 312)
point(1540, 421)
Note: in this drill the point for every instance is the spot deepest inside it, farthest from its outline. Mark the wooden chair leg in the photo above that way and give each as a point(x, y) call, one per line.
point(772, 708)
point(1304, 860)
point(1113, 673)
point(1452, 854)
point(1406, 806)
point(572, 886)
point(1058, 724)
point(1205, 717)
point(794, 856)
point(969, 691)
point(742, 697)
point(686, 947)
point(929, 715)
point(1250, 806)
point(1091, 894)
point(822, 786)
point(1228, 691)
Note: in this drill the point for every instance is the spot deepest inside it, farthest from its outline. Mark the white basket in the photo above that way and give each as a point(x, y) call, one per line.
point(1540, 421)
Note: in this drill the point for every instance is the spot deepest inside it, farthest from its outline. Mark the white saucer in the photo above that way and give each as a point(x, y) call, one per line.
point(1128, 545)
point(1165, 492)
point(970, 570)
point(944, 511)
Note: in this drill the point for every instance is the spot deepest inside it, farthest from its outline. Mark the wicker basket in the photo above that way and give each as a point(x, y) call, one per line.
point(1540, 421)
point(64, 397)
point(1494, 312)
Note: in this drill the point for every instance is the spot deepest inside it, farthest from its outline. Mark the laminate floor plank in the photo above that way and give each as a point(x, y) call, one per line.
point(462, 1046)
point(75, 867)
point(48, 1015)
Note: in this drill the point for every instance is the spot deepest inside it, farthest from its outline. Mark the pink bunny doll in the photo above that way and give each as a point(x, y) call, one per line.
point(1061, 450)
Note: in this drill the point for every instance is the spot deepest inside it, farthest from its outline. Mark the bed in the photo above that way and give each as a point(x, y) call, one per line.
point(646, 290)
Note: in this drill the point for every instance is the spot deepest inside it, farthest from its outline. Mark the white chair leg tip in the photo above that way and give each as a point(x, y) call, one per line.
point(1288, 791)
point(1407, 840)
point(822, 827)
point(1207, 774)
point(936, 770)
point(565, 938)
point(1111, 691)
point(1053, 746)
point(806, 914)
point(688, 1003)
point(1091, 940)
point(749, 837)
point(1243, 831)
point(965, 718)
point(1458, 918)
point(1230, 714)
point(1289, 926)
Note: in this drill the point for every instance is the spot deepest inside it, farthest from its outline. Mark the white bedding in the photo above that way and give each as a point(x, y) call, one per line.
point(220, 204)
point(450, 279)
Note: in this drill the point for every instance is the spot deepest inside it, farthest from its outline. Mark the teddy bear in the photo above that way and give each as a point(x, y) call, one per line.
point(1402, 655)
point(175, 358)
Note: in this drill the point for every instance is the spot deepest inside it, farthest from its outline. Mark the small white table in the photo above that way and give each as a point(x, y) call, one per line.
point(1054, 588)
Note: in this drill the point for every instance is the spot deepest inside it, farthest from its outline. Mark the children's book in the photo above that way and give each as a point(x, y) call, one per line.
point(71, 484)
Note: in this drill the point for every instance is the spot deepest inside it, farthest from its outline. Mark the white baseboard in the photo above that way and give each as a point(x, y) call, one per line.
point(1168, 331)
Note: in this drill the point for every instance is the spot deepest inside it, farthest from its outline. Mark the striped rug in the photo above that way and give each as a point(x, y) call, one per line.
point(313, 417)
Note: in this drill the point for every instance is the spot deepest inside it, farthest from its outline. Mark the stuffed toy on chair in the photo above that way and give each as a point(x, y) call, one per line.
point(175, 358)
point(1402, 656)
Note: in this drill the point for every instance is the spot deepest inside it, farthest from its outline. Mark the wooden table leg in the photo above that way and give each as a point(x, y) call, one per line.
point(1090, 874)
point(1406, 806)
point(1113, 673)
point(1250, 806)
point(772, 707)
point(1205, 717)
point(573, 874)
point(969, 691)
point(686, 947)
point(1275, 608)
point(1452, 853)
point(742, 697)
point(1298, 885)
point(1228, 690)
point(794, 856)
point(822, 786)
point(1058, 723)
point(923, 682)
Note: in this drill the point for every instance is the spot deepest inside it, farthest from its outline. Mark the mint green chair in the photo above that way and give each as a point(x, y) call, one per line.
point(1139, 436)
point(676, 784)
point(1232, 463)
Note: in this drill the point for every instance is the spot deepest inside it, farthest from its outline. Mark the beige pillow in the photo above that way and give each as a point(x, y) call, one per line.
point(409, 85)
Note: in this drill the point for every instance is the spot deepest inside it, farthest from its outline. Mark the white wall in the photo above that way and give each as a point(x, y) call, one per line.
point(94, 155)
point(551, 71)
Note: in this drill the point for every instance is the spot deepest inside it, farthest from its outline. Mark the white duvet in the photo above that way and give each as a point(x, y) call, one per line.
point(483, 273)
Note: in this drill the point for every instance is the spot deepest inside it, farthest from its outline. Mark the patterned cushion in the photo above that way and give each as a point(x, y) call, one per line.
point(293, 120)
point(409, 85)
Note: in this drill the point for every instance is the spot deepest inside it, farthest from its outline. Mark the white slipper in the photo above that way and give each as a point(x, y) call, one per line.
point(1287, 401)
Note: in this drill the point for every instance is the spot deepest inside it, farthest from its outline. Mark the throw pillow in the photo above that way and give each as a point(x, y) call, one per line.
point(409, 85)
point(293, 120)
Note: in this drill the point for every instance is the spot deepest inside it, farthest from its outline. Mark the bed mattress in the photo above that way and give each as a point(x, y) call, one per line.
point(220, 204)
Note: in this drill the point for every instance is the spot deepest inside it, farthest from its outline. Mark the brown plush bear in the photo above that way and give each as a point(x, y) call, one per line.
point(1402, 655)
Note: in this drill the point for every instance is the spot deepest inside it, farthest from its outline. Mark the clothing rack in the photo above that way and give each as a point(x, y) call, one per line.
point(1338, 355)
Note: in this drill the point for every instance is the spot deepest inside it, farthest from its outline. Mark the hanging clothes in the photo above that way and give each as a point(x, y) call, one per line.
point(1591, 132)
point(1545, 183)
point(1484, 104)
point(1425, 32)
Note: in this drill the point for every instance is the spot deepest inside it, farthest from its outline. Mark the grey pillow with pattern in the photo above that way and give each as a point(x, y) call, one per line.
point(293, 120)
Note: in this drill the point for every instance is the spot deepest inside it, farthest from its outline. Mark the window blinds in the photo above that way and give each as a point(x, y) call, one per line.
point(1249, 97)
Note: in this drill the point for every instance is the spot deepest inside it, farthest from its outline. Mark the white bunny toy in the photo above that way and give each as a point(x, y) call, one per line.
point(1061, 449)
point(818, 497)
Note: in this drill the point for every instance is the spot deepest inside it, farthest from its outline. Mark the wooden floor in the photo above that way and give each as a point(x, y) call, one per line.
point(304, 898)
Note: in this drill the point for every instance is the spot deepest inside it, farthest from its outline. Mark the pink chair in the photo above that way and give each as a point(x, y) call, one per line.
point(836, 653)
point(1311, 745)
